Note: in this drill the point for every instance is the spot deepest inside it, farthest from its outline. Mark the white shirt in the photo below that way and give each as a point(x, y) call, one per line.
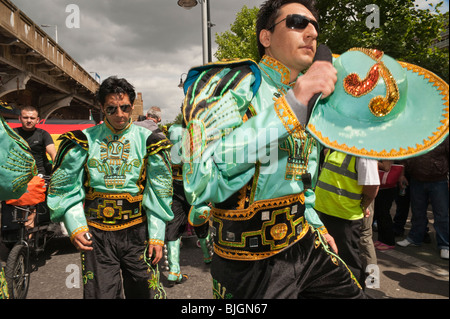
point(367, 171)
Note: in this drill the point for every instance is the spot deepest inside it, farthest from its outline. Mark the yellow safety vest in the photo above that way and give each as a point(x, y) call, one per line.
point(337, 191)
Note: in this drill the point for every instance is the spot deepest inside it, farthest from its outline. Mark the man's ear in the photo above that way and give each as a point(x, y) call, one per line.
point(265, 37)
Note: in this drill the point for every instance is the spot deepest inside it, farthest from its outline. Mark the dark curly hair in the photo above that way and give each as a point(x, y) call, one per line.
point(269, 12)
point(115, 85)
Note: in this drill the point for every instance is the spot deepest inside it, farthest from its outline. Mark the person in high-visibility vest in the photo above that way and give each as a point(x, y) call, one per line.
point(346, 187)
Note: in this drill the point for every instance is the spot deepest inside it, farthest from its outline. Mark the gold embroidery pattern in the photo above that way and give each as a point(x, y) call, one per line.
point(248, 213)
point(116, 227)
point(353, 85)
point(77, 231)
point(246, 255)
point(299, 146)
point(114, 164)
point(156, 242)
point(275, 233)
point(382, 106)
point(127, 196)
point(373, 53)
point(277, 66)
point(16, 163)
point(219, 292)
point(286, 115)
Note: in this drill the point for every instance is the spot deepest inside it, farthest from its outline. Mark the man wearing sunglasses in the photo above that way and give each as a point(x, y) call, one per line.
point(112, 187)
point(247, 152)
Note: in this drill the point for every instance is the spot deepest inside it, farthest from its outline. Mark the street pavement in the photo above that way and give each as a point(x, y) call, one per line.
point(405, 273)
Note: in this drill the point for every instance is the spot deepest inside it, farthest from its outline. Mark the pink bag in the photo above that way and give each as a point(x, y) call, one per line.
point(390, 179)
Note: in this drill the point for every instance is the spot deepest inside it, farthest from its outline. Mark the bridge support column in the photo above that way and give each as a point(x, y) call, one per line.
point(51, 102)
point(14, 82)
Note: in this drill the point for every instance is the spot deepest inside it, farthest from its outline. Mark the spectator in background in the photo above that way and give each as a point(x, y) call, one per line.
point(152, 119)
point(429, 184)
point(39, 140)
point(346, 187)
point(383, 204)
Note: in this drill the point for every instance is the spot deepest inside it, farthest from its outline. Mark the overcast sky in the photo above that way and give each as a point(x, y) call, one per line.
point(149, 42)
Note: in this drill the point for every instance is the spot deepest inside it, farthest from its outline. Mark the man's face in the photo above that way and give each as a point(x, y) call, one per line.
point(116, 102)
point(29, 119)
point(293, 47)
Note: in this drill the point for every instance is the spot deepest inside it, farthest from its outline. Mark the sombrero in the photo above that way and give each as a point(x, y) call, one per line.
point(382, 108)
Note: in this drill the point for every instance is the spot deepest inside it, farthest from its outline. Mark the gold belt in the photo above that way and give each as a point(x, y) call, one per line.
point(113, 211)
point(263, 229)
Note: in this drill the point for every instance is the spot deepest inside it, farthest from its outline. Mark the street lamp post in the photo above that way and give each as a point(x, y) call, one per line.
point(56, 30)
point(206, 25)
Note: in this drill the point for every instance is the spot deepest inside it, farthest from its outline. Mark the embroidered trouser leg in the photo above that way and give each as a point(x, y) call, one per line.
point(115, 262)
point(307, 269)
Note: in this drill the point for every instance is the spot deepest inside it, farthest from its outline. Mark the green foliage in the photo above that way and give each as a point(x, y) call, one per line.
point(405, 32)
point(240, 41)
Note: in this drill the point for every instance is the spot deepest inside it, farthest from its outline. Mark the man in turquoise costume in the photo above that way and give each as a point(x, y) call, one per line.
point(112, 188)
point(181, 211)
point(247, 152)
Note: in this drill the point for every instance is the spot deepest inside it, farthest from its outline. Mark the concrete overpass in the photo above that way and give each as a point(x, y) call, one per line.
point(35, 70)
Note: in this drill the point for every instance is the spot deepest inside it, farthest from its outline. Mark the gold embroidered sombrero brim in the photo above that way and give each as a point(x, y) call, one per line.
point(382, 108)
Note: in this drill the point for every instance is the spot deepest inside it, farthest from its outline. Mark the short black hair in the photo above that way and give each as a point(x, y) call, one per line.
point(113, 85)
point(269, 12)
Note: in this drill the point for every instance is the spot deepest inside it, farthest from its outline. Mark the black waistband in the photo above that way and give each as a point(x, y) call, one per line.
point(113, 209)
point(260, 231)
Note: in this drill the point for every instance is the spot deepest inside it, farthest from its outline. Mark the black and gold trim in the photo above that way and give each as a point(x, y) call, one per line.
point(265, 228)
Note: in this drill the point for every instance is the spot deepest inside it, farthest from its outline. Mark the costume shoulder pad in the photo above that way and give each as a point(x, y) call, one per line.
point(69, 140)
point(78, 137)
point(206, 84)
point(157, 141)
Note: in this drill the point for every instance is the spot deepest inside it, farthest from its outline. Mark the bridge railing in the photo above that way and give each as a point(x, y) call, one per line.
point(26, 31)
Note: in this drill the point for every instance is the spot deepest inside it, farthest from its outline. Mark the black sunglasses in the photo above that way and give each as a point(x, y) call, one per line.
point(297, 21)
point(112, 109)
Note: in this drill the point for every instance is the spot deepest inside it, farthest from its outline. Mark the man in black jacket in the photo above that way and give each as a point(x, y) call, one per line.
point(429, 184)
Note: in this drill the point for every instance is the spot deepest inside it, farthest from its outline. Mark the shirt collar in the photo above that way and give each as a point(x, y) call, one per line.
point(112, 129)
point(276, 70)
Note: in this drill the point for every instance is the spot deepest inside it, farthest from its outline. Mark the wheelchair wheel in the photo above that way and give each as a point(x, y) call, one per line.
point(17, 272)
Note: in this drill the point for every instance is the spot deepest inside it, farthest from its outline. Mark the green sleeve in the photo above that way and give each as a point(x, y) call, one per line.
point(17, 165)
point(66, 192)
point(158, 193)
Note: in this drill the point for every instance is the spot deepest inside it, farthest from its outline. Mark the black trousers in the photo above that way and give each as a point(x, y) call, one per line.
point(180, 209)
point(347, 234)
point(382, 214)
point(115, 268)
point(306, 269)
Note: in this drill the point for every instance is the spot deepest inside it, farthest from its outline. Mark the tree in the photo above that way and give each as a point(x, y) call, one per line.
point(240, 41)
point(405, 32)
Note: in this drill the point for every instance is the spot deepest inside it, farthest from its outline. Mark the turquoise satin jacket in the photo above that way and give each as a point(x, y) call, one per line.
point(243, 132)
point(100, 160)
point(17, 165)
